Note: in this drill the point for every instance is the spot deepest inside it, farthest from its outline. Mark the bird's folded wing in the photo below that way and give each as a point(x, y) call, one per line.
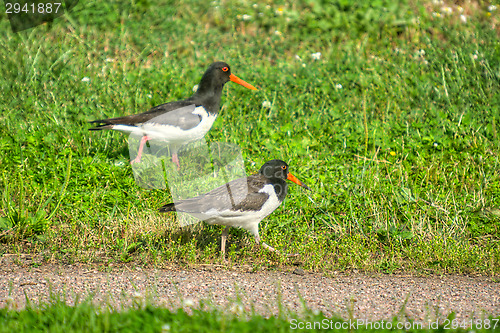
point(183, 117)
point(240, 194)
point(179, 114)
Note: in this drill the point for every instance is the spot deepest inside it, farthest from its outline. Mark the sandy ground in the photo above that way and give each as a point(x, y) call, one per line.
point(351, 296)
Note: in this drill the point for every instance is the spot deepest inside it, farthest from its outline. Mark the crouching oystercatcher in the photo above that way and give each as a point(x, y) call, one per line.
point(241, 203)
point(180, 122)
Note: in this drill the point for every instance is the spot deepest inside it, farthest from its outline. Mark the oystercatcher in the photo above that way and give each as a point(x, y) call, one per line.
point(179, 122)
point(241, 203)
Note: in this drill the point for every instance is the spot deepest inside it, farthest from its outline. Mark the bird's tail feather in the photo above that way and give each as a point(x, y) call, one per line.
point(101, 125)
point(168, 208)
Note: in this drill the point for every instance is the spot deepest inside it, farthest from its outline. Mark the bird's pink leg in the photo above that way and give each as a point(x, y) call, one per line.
point(175, 159)
point(137, 159)
point(272, 249)
point(223, 239)
point(264, 245)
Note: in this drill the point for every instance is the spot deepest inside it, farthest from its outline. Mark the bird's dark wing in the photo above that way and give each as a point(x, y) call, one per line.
point(254, 199)
point(179, 114)
point(239, 194)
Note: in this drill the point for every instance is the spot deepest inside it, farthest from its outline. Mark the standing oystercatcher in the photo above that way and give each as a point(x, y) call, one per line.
point(241, 203)
point(179, 122)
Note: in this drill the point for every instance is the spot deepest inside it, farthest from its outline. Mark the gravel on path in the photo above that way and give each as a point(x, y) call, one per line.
point(350, 296)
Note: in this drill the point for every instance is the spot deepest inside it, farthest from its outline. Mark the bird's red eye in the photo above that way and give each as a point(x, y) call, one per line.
point(225, 69)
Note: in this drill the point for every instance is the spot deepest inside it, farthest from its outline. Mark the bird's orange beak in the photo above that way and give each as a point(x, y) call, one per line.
point(236, 79)
point(296, 181)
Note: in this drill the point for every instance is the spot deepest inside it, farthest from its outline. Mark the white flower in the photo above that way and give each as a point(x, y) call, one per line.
point(149, 96)
point(437, 2)
point(236, 309)
point(165, 328)
point(195, 88)
point(304, 65)
point(86, 79)
point(109, 60)
point(255, 5)
point(463, 18)
point(136, 295)
point(492, 8)
point(266, 104)
point(277, 33)
point(460, 9)
point(316, 56)
point(246, 17)
point(188, 302)
point(298, 57)
point(420, 53)
point(446, 10)
point(436, 14)
point(338, 86)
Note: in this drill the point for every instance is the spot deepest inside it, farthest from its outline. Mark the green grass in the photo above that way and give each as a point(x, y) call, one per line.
point(395, 128)
point(58, 316)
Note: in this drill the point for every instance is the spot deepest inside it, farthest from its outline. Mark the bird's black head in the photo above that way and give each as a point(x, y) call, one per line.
point(277, 169)
point(219, 72)
point(274, 169)
point(216, 76)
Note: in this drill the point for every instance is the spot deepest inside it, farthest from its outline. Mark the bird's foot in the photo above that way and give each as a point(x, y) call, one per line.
point(136, 160)
point(272, 249)
point(269, 248)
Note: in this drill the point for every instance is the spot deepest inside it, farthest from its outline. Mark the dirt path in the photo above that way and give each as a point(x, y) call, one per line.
point(368, 297)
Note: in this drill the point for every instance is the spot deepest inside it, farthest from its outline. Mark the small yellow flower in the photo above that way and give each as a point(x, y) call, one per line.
point(392, 153)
